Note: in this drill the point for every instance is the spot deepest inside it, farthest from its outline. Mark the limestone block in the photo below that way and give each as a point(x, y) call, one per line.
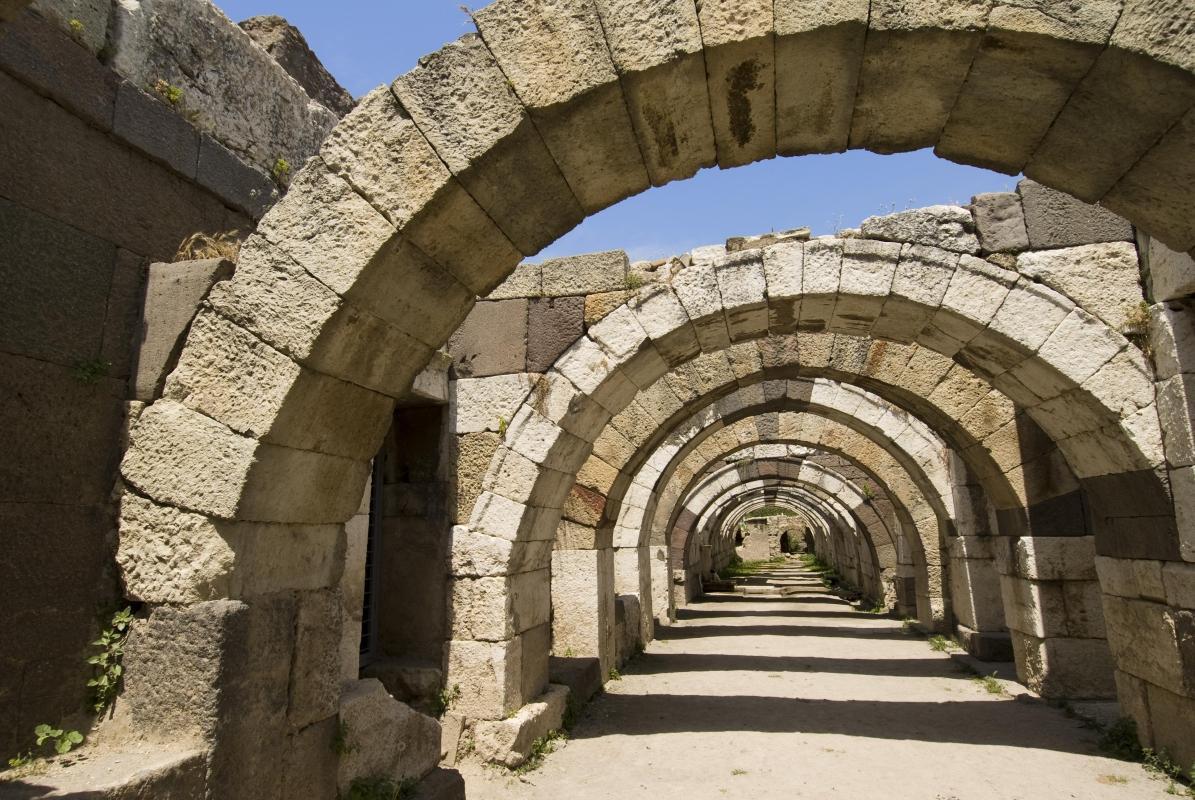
point(1030, 314)
point(173, 293)
point(598, 306)
point(476, 555)
point(462, 102)
point(525, 281)
point(819, 283)
point(289, 309)
point(485, 404)
point(315, 673)
point(1172, 338)
point(243, 186)
point(1131, 578)
point(697, 289)
point(490, 677)
point(1176, 399)
point(1032, 56)
point(1171, 274)
point(185, 459)
point(918, 285)
point(657, 49)
point(1145, 639)
point(384, 737)
point(249, 102)
point(783, 268)
point(1136, 91)
point(916, 59)
point(541, 441)
point(172, 556)
point(337, 236)
point(491, 341)
point(559, 400)
point(1179, 580)
point(743, 288)
point(740, 57)
point(509, 741)
point(1064, 667)
point(663, 317)
point(552, 325)
point(585, 274)
point(85, 20)
point(819, 50)
point(1170, 723)
point(1154, 190)
point(154, 128)
point(555, 56)
point(499, 608)
point(232, 376)
point(947, 227)
point(1080, 345)
point(1000, 222)
point(583, 603)
point(380, 152)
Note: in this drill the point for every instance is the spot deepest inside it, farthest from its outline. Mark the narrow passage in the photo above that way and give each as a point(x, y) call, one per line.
point(804, 697)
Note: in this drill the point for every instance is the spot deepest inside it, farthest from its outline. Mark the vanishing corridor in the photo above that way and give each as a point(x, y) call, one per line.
point(804, 697)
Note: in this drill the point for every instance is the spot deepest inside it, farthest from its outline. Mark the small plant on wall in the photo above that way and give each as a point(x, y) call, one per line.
point(107, 663)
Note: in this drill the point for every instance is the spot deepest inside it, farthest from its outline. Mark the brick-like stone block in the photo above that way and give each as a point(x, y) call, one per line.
point(509, 741)
point(157, 129)
point(553, 324)
point(45, 57)
point(56, 282)
point(1000, 222)
point(1056, 219)
point(239, 183)
point(586, 274)
point(173, 293)
point(1171, 274)
point(491, 341)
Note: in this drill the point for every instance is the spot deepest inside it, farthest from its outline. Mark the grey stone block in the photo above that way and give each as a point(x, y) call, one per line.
point(1000, 222)
point(1055, 219)
point(1171, 274)
point(156, 129)
point(125, 298)
point(40, 54)
point(582, 676)
point(56, 282)
point(585, 274)
point(173, 293)
point(440, 784)
point(491, 341)
point(60, 165)
point(553, 324)
point(238, 183)
point(85, 20)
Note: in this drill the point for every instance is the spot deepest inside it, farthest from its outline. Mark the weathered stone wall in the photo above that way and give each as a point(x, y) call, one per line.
point(99, 177)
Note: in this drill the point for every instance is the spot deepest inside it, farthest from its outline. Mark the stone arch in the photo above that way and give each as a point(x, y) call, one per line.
point(425, 196)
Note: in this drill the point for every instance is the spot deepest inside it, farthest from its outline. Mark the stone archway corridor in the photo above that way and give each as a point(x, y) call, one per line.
point(803, 696)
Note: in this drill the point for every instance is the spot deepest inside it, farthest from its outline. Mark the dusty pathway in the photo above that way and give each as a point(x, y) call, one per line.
point(803, 697)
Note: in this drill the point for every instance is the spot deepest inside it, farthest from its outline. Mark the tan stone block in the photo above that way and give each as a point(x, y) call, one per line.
point(463, 104)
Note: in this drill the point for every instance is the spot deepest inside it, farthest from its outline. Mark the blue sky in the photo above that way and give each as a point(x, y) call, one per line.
point(366, 43)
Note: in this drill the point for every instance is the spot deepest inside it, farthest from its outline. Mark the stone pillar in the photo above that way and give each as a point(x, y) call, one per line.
point(352, 588)
point(583, 605)
point(976, 598)
point(1053, 609)
point(661, 583)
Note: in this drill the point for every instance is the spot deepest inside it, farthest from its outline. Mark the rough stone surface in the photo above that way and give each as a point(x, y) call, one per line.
point(1000, 222)
point(250, 104)
point(385, 737)
point(491, 341)
point(289, 48)
point(948, 227)
point(553, 324)
point(1102, 278)
point(586, 274)
point(509, 741)
point(1055, 219)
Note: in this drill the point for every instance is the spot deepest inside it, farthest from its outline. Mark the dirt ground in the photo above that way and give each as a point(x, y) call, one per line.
point(804, 697)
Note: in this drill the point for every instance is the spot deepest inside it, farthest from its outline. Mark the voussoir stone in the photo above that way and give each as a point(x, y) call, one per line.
point(555, 56)
point(463, 103)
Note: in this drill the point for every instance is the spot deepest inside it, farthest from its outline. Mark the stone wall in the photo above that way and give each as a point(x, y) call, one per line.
point(99, 177)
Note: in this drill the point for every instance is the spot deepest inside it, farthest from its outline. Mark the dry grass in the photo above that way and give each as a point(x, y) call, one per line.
point(225, 245)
